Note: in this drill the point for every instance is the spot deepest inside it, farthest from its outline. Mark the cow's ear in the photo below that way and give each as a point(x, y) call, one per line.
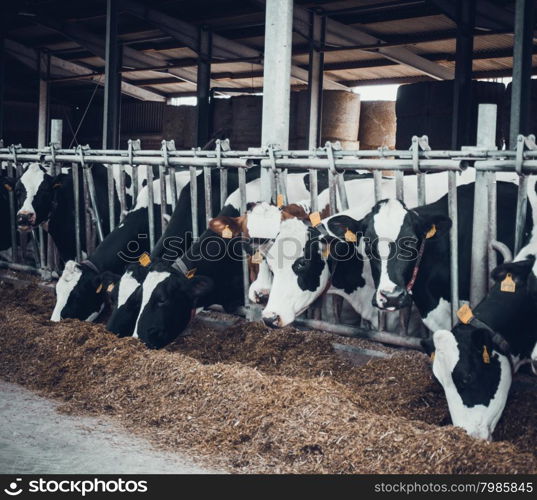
point(200, 286)
point(518, 270)
point(346, 228)
point(294, 210)
point(434, 226)
point(227, 227)
point(58, 181)
point(8, 183)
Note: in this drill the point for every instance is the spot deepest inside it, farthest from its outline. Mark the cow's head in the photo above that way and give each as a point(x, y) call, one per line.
point(263, 222)
point(470, 362)
point(127, 301)
point(300, 272)
point(169, 300)
point(81, 292)
point(393, 235)
point(35, 191)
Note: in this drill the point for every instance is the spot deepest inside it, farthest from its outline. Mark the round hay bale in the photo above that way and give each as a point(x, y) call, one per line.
point(377, 124)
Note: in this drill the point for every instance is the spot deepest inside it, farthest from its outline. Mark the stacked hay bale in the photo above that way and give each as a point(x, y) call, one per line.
point(377, 125)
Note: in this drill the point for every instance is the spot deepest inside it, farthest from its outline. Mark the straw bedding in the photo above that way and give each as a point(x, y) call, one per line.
point(256, 400)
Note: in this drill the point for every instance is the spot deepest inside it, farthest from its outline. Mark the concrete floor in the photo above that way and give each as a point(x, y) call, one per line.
point(36, 439)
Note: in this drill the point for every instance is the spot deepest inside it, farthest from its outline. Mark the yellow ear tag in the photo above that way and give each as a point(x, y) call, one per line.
point(350, 236)
point(190, 274)
point(315, 219)
point(465, 314)
point(508, 285)
point(257, 257)
point(279, 201)
point(110, 287)
point(431, 232)
point(8, 187)
point(144, 259)
point(486, 355)
point(99, 288)
point(227, 233)
point(433, 354)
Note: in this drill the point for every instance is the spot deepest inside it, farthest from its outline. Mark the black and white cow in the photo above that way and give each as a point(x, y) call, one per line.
point(307, 262)
point(82, 288)
point(44, 199)
point(160, 318)
point(475, 360)
point(410, 255)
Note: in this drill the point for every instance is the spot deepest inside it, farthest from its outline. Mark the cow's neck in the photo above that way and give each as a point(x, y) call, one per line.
point(512, 317)
point(433, 279)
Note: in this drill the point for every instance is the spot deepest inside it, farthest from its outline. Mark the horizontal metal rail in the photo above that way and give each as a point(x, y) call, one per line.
point(418, 160)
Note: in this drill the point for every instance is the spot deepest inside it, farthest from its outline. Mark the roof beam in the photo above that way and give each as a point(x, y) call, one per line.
point(222, 47)
point(96, 45)
point(60, 67)
point(487, 15)
point(341, 34)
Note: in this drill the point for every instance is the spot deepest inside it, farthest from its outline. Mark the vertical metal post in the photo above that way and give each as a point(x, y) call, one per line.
point(493, 221)
point(121, 191)
point(163, 200)
point(377, 183)
point(13, 211)
point(112, 96)
point(315, 94)
point(522, 62)
point(223, 174)
point(204, 86)
point(399, 185)
point(486, 133)
point(521, 205)
point(462, 88)
point(194, 202)
point(93, 198)
point(245, 270)
point(76, 193)
point(150, 206)
point(56, 141)
point(276, 81)
point(173, 187)
point(90, 233)
point(207, 182)
point(453, 244)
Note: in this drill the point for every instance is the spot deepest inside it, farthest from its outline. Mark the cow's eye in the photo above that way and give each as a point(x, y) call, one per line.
point(300, 265)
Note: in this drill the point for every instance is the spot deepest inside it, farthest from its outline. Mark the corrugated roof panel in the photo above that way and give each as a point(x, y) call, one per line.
point(428, 24)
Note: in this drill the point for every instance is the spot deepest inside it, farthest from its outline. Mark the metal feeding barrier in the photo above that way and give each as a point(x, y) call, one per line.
point(418, 160)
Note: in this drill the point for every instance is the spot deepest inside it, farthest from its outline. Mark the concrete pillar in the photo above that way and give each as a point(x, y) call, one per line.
point(276, 80)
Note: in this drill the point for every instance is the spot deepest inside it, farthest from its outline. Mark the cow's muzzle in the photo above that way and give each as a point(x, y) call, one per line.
point(392, 299)
point(273, 320)
point(25, 220)
point(261, 296)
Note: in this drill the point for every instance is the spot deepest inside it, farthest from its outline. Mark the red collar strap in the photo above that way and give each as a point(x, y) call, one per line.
point(412, 281)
